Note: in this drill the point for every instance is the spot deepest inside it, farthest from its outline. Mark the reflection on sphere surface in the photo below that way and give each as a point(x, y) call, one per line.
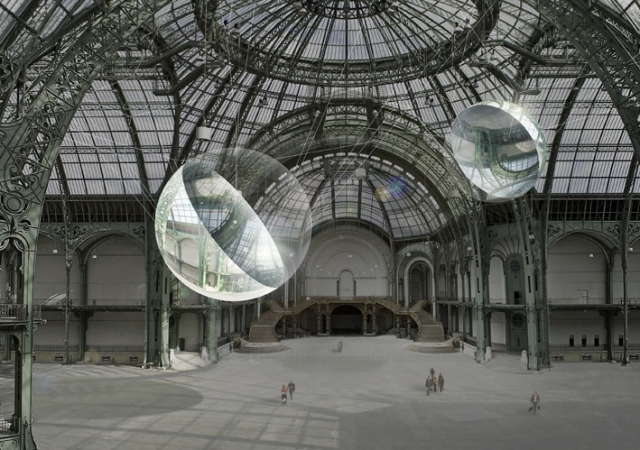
point(233, 226)
point(500, 148)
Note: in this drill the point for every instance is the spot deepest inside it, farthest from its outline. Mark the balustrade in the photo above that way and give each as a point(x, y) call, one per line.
point(18, 312)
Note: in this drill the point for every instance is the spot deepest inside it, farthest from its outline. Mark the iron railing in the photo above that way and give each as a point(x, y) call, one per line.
point(592, 348)
point(115, 348)
point(18, 312)
point(92, 302)
point(54, 348)
point(9, 426)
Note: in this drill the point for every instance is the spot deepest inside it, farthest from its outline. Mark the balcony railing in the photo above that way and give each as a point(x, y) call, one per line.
point(591, 348)
point(9, 426)
point(60, 302)
point(115, 348)
point(52, 348)
point(16, 312)
point(591, 301)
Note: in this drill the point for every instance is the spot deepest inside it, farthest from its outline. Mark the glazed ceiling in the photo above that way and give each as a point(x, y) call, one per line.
point(326, 87)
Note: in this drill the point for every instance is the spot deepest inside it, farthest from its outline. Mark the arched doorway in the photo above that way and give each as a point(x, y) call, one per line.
point(518, 339)
point(346, 320)
point(346, 286)
point(418, 287)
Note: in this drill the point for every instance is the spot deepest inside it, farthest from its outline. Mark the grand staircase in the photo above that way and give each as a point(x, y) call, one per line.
point(506, 362)
point(430, 336)
point(263, 329)
point(429, 330)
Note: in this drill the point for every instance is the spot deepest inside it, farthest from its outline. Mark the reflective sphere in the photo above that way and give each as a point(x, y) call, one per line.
point(500, 148)
point(233, 226)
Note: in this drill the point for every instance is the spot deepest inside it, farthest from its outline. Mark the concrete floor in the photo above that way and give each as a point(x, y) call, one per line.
point(370, 396)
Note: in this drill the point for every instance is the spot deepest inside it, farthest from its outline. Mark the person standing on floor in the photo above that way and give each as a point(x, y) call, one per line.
point(535, 402)
point(429, 384)
point(441, 382)
point(283, 391)
point(291, 387)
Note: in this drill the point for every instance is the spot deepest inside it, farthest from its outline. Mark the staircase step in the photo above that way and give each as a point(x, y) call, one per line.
point(442, 348)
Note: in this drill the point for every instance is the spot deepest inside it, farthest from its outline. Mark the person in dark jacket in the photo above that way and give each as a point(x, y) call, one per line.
point(535, 402)
point(441, 382)
point(429, 384)
point(291, 387)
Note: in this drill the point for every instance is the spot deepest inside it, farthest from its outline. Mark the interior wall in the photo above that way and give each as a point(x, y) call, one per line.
point(633, 275)
point(562, 324)
point(52, 333)
point(497, 288)
point(117, 272)
point(50, 272)
point(191, 332)
point(571, 272)
point(498, 328)
point(634, 327)
point(122, 328)
point(346, 250)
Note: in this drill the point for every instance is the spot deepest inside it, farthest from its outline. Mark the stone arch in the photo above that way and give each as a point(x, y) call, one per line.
point(577, 272)
point(415, 260)
point(91, 245)
point(120, 276)
point(599, 238)
point(506, 246)
point(346, 283)
point(341, 250)
point(347, 322)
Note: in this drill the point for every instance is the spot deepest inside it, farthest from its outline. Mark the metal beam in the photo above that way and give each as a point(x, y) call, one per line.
point(133, 132)
point(557, 138)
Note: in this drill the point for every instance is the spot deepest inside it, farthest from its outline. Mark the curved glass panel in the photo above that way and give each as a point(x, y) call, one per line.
point(499, 148)
point(235, 234)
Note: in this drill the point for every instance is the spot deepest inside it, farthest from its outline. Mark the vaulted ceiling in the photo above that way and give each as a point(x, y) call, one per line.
point(330, 86)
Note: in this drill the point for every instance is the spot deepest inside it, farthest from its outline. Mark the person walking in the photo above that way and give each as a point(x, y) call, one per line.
point(283, 391)
point(432, 372)
point(340, 347)
point(441, 382)
point(291, 387)
point(535, 402)
point(429, 384)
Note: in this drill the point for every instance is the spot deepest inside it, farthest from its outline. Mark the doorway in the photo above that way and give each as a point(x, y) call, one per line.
point(518, 339)
point(346, 320)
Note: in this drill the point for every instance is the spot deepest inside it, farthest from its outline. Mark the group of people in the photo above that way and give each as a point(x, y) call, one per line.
point(434, 383)
point(291, 387)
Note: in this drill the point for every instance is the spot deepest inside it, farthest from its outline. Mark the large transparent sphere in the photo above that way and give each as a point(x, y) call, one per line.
point(233, 226)
point(500, 148)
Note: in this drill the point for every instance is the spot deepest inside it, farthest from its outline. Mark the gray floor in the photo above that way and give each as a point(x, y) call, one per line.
point(370, 396)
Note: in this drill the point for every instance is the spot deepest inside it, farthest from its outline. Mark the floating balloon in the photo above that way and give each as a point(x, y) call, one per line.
point(233, 226)
point(500, 148)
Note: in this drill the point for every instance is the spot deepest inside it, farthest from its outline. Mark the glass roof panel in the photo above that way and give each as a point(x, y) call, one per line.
point(629, 9)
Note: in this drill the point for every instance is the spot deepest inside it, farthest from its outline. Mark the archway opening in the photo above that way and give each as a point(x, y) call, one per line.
point(518, 337)
point(346, 284)
point(346, 320)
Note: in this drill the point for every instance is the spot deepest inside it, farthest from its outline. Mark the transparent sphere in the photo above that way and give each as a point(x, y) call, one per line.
point(233, 226)
point(500, 148)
